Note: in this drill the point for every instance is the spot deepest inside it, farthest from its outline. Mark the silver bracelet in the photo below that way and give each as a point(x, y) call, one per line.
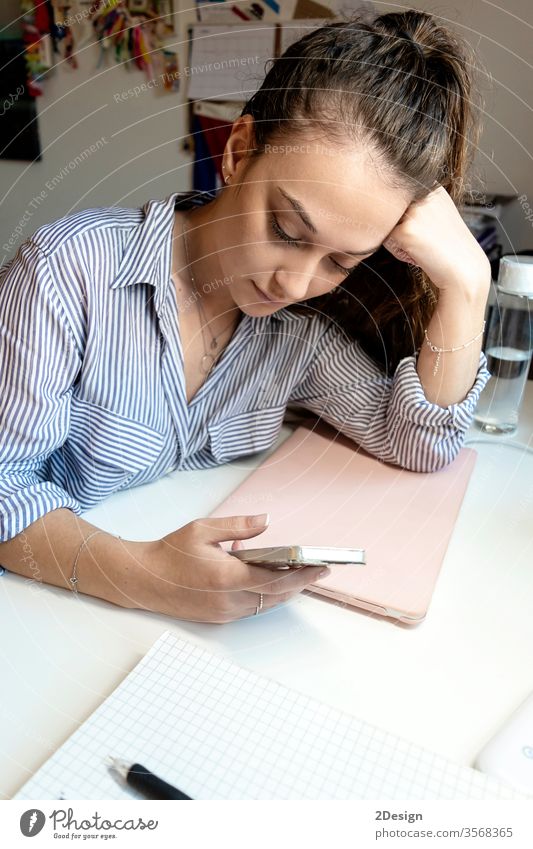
point(73, 580)
point(440, 351)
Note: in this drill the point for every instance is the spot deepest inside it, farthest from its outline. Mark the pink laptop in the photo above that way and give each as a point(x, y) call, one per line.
point(321, 489)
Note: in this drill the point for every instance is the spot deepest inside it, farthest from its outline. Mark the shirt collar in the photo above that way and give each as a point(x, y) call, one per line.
point(147, 256)
point(284, 315)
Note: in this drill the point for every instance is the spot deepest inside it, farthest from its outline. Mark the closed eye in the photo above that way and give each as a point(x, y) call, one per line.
point(281, 234)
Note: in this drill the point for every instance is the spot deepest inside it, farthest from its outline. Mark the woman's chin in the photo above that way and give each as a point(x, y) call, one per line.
point(258, 300)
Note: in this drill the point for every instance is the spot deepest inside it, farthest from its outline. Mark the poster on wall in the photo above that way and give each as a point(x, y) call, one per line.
point(18, 114)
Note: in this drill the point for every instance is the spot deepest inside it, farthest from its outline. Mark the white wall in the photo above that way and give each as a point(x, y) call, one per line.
point(502, 35)
point(139, 158)
point(141, 155)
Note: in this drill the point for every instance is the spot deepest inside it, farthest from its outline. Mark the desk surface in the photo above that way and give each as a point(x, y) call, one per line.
point(446, 684)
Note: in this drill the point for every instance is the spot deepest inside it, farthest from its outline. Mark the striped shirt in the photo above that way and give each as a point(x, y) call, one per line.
point(92, 385)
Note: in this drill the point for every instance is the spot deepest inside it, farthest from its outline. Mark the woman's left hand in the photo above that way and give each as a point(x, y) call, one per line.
point(432, 235)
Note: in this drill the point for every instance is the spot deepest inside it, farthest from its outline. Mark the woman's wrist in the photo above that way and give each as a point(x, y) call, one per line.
point(110, 568)
point(148, 576)
point(461, 307)
point(457, 323)
point(468, 288)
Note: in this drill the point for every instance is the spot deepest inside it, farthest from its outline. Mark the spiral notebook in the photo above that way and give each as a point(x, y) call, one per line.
point(219, 731)
point(322, 490)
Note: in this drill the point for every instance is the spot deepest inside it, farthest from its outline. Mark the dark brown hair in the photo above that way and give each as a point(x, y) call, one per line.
point(401, 83)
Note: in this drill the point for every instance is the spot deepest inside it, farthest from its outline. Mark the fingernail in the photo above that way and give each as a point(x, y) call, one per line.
point(262, 519)
point(324, 573)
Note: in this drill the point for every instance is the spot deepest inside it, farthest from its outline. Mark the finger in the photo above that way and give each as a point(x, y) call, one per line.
point(295, 580)
point(225, 528)
point(257, 607)
point(270, 602)
point(246, 603)
point(244, 576)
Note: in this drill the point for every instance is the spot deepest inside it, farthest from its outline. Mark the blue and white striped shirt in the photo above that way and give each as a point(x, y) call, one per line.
point(92, 385)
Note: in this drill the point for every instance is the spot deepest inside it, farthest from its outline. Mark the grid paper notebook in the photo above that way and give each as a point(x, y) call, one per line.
point(219, 731)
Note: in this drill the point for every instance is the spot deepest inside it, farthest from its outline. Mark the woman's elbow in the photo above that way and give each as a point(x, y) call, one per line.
point(433, 456)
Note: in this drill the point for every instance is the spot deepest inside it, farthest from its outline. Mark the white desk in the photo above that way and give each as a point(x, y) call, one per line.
point(446, 684)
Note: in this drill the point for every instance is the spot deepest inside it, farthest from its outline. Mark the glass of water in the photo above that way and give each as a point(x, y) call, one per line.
point(508, 347)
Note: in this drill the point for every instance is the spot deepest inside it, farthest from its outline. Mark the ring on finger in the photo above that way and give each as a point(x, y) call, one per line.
point(260, 605)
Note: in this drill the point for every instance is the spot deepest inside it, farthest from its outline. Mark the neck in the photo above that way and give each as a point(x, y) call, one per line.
point(200, 262)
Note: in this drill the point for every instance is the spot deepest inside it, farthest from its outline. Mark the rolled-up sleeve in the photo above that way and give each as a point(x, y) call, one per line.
point(390, 417)
point(39, 362)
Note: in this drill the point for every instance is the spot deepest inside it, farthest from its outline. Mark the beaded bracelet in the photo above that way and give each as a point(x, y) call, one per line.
point(440, 351)
point(73, 580)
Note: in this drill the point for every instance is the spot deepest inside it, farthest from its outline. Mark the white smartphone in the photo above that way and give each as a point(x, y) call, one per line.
point(297, 556)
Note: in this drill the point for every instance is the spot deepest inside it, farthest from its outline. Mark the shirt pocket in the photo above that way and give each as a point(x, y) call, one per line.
point(106, 448)
point(245, 433)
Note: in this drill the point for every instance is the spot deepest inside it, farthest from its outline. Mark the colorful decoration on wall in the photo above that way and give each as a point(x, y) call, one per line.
point(36, 22)
point(68, 19)
point(132, 30)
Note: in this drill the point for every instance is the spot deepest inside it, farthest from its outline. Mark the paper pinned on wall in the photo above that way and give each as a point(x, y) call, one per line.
point(344, 8)
point(228, 63)
point(293, 30)
point(228, 12)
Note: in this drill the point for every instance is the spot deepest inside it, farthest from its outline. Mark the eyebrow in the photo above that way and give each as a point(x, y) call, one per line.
point(298, 207)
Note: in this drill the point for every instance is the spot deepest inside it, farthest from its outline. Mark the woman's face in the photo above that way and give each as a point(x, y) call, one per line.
point(303, 216)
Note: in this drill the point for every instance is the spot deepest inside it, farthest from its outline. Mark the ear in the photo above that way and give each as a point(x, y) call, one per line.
point(239, 145)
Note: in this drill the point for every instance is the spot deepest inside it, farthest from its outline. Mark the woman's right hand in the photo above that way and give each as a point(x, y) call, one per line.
point(188, 575)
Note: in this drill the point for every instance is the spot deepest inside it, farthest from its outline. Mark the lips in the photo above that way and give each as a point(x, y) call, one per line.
point(265, 297)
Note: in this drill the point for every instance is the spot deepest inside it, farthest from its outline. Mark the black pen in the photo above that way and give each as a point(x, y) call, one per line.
point(144, 781)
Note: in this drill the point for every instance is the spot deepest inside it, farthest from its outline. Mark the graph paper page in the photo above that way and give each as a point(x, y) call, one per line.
point(219, 731)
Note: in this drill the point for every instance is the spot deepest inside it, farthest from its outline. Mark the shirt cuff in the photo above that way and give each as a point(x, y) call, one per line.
point(410, 403)
point(21, 507)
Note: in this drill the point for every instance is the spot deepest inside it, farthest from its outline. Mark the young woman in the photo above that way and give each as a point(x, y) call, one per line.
point(331, 271)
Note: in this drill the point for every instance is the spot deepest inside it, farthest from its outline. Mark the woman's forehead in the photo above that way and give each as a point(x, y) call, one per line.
point(338, 195)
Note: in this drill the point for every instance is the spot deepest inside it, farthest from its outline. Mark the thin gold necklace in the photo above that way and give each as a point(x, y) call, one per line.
point(209, 359)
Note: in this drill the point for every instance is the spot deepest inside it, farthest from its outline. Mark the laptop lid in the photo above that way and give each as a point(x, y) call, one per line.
point(321, 489)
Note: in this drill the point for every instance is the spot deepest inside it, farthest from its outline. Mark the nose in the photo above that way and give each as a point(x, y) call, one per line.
point(294, 283)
